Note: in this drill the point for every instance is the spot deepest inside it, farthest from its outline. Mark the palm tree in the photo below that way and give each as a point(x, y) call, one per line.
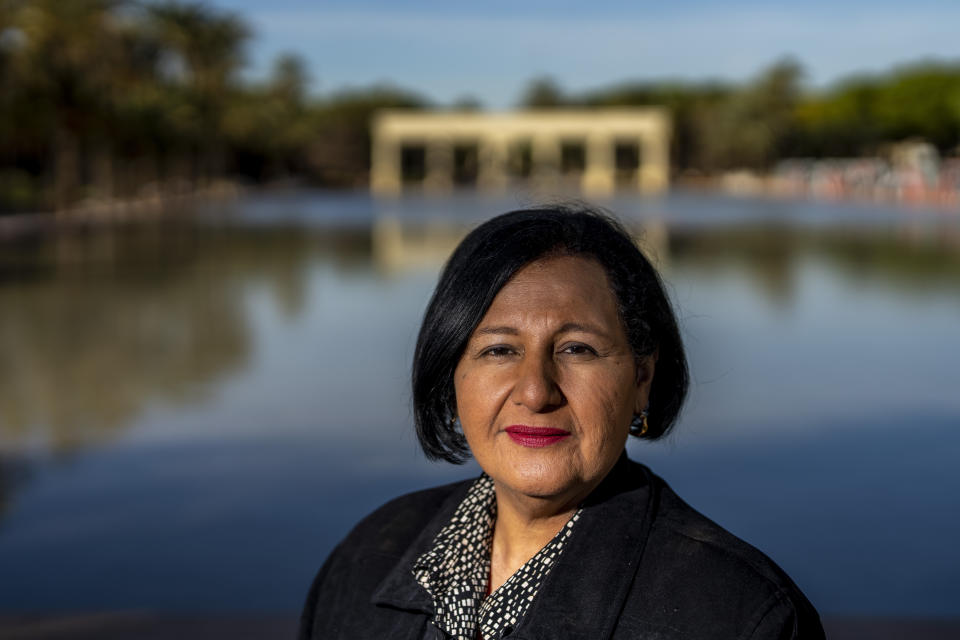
point(205, 51)
point(63, 65)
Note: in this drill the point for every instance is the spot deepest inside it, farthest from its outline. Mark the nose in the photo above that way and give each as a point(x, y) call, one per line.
point(537, 386)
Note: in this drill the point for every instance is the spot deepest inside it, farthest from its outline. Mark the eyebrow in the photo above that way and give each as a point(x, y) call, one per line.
point(572, 327)
point(510, 331)
point(569, 327)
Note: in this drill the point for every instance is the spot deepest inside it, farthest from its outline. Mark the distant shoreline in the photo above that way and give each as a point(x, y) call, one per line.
point(158, 206)
point(97, 213)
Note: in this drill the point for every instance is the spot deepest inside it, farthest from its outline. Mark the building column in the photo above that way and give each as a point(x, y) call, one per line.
point(492, 154)
point(598, 177)
point(654, 171)
point(439, 169)
point(545, 159)
point(385, 178)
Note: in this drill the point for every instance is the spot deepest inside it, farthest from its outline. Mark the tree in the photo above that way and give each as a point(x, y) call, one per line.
point(339, 152)
point(686, 103)
point(63, 66)
point(542, 93)
point(750, 128)
point(204, 53)
point(861, 114)
point(269, 127)
point(467, 103)
point(290, 79)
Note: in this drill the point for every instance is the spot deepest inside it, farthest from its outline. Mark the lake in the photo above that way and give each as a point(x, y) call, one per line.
point(194, 411)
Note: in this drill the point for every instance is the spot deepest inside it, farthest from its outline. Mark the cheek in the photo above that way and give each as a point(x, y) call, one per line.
point(606, 403)
point(476, 394)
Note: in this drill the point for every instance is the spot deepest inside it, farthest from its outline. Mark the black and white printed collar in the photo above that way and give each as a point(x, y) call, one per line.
point(455, 571)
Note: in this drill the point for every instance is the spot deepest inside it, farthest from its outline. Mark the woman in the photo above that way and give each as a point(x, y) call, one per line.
point(548, 341)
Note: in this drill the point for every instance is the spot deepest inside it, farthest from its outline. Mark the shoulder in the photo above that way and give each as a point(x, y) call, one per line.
point(394, 525)
point(343, 588)
point(684, 530)
point(713, 577)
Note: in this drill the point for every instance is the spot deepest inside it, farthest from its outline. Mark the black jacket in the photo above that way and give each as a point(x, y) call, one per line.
point(641, 563)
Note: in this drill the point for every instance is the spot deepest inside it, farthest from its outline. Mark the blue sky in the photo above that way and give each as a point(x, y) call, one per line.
point(490, 50)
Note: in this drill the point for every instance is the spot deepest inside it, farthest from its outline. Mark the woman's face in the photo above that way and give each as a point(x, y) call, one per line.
point(547, 385)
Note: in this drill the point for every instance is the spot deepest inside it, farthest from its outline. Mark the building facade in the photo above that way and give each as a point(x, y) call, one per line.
point(597, 151)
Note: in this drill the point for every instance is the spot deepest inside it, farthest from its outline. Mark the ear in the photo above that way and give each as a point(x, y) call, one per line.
point(646, 367)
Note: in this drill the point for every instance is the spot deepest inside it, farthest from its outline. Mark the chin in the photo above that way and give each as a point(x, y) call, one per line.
point(541, 481)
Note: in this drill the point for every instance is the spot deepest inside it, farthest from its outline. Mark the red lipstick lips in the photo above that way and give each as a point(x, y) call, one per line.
point(535, 437)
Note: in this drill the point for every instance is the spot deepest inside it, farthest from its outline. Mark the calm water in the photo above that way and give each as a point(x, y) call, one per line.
point(192, 414)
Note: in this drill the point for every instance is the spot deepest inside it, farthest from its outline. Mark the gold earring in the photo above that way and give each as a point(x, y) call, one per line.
point(639, 425)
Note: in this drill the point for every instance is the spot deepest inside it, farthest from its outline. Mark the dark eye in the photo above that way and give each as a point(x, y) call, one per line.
point(497, 351)
point(578, 349)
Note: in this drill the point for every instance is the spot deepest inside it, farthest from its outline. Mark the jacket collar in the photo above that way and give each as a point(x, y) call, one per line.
point(399, 588)
point(584, 594)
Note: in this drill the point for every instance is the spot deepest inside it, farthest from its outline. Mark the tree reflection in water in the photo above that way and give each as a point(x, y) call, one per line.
point(96, 328)
point(769, 255)
point(274, 336)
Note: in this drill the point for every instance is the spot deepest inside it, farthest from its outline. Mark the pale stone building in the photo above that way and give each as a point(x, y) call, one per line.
point(594, 150)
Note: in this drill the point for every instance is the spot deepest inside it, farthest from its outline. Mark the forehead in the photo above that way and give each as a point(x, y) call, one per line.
point(562, 285)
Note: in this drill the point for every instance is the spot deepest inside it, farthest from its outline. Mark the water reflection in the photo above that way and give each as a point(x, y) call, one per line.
point(13, 472)
point(205, 388)
point(95, 328)
point(769, 255)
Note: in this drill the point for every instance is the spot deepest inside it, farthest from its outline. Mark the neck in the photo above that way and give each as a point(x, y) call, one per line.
point(520, 523)
point(525, 525)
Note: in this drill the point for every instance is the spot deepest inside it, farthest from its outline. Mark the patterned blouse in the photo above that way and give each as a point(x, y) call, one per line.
point(456, 570)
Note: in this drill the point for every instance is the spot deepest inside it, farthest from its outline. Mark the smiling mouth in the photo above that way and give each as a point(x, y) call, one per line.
point(536, 437)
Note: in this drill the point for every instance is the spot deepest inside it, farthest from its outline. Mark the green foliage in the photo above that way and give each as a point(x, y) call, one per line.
point(689, 105)
point(103, 98)
point(861, 114)
point(19, 190)
point(721, 126)
point(340, 149)
point(543, 93)
point(750, 127)
point(467, 103)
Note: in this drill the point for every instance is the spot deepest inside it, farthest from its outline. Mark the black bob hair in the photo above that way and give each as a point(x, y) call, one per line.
point(487, 259)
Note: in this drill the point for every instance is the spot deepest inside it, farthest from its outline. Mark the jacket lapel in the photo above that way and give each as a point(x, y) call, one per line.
point(582, 597)
point(399, 589)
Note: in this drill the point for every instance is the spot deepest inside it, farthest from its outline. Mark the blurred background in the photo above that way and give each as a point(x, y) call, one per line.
point(220, 223)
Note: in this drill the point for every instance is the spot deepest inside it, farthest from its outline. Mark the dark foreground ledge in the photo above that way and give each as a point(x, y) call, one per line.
point(143, 626)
